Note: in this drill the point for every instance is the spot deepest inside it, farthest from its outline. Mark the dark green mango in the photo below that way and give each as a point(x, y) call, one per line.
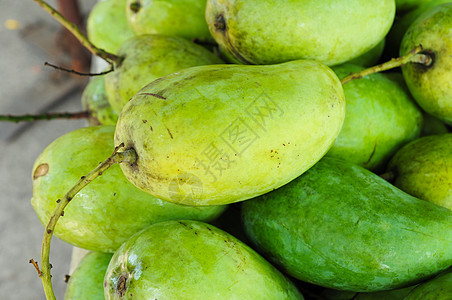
point(341, 226)
point(87, 280)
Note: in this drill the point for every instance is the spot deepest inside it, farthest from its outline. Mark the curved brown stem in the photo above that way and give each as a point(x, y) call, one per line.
point(117, 157)
point(414, 56)
point(78, 73)
point(45, 117)
point(109, 57)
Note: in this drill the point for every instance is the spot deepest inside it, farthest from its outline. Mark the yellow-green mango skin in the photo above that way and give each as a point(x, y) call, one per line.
point(269, 32)
point(340, 226)
point(431, 86)
point(87, 280)
point(438, 288)
point(104, 214)
point(380, 118)
point(94, 100)
point(423, 168)
point(183, 18)
point(148, 57)
point(107, 26)
point(221, 134)
point(192, 260)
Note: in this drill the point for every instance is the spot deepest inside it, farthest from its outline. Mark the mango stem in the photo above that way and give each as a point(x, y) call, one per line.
point(117, 157)
point(414, 56)
point(109, 57)
point(47, 117)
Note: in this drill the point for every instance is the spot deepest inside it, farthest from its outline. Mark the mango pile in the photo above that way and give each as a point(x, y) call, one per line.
point(261, 150)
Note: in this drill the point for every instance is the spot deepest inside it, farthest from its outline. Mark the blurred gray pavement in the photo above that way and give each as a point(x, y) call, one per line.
point(25, 88)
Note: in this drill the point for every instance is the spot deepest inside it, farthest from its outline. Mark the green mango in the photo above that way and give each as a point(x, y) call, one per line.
point(110, 209)
point(438, 288)
point(431, 85)
point(94, 100)
point(213, 135)
point(87, 280)
point(107, 26)
point(192, 260)
point(262, 32)
point(148, 57)
point(380, 117)
point(183, 18)
point(423, 168)
point(340, 226)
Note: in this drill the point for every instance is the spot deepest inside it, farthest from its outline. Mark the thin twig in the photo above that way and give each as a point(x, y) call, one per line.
point(76, 72)
point(413, 56)
point(35, 264)
point(45, 117)
point(109, 57)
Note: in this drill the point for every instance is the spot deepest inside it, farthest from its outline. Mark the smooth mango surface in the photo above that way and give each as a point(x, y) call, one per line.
point(221, 134)
point(87, 280)
point(381, 117)
point(269, 32)
point(340, 226)
point(188, 260)
point(107, 25)
point(109, 210)
point(431, 86)
point(423, 168)
point(183, 18)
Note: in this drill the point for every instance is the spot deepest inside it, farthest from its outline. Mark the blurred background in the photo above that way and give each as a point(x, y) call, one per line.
point(28, 38)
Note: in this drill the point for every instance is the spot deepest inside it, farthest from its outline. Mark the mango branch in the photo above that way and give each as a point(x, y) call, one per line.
point(414, 56)
point(109, 57)
point(45, 117)
point(117, 157)
point(76, 72)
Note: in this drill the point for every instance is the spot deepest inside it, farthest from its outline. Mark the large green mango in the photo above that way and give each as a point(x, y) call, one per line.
point(268, 31)
point(110, 209)
point(187, 260)
point(221, 134)
point(343, 227)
